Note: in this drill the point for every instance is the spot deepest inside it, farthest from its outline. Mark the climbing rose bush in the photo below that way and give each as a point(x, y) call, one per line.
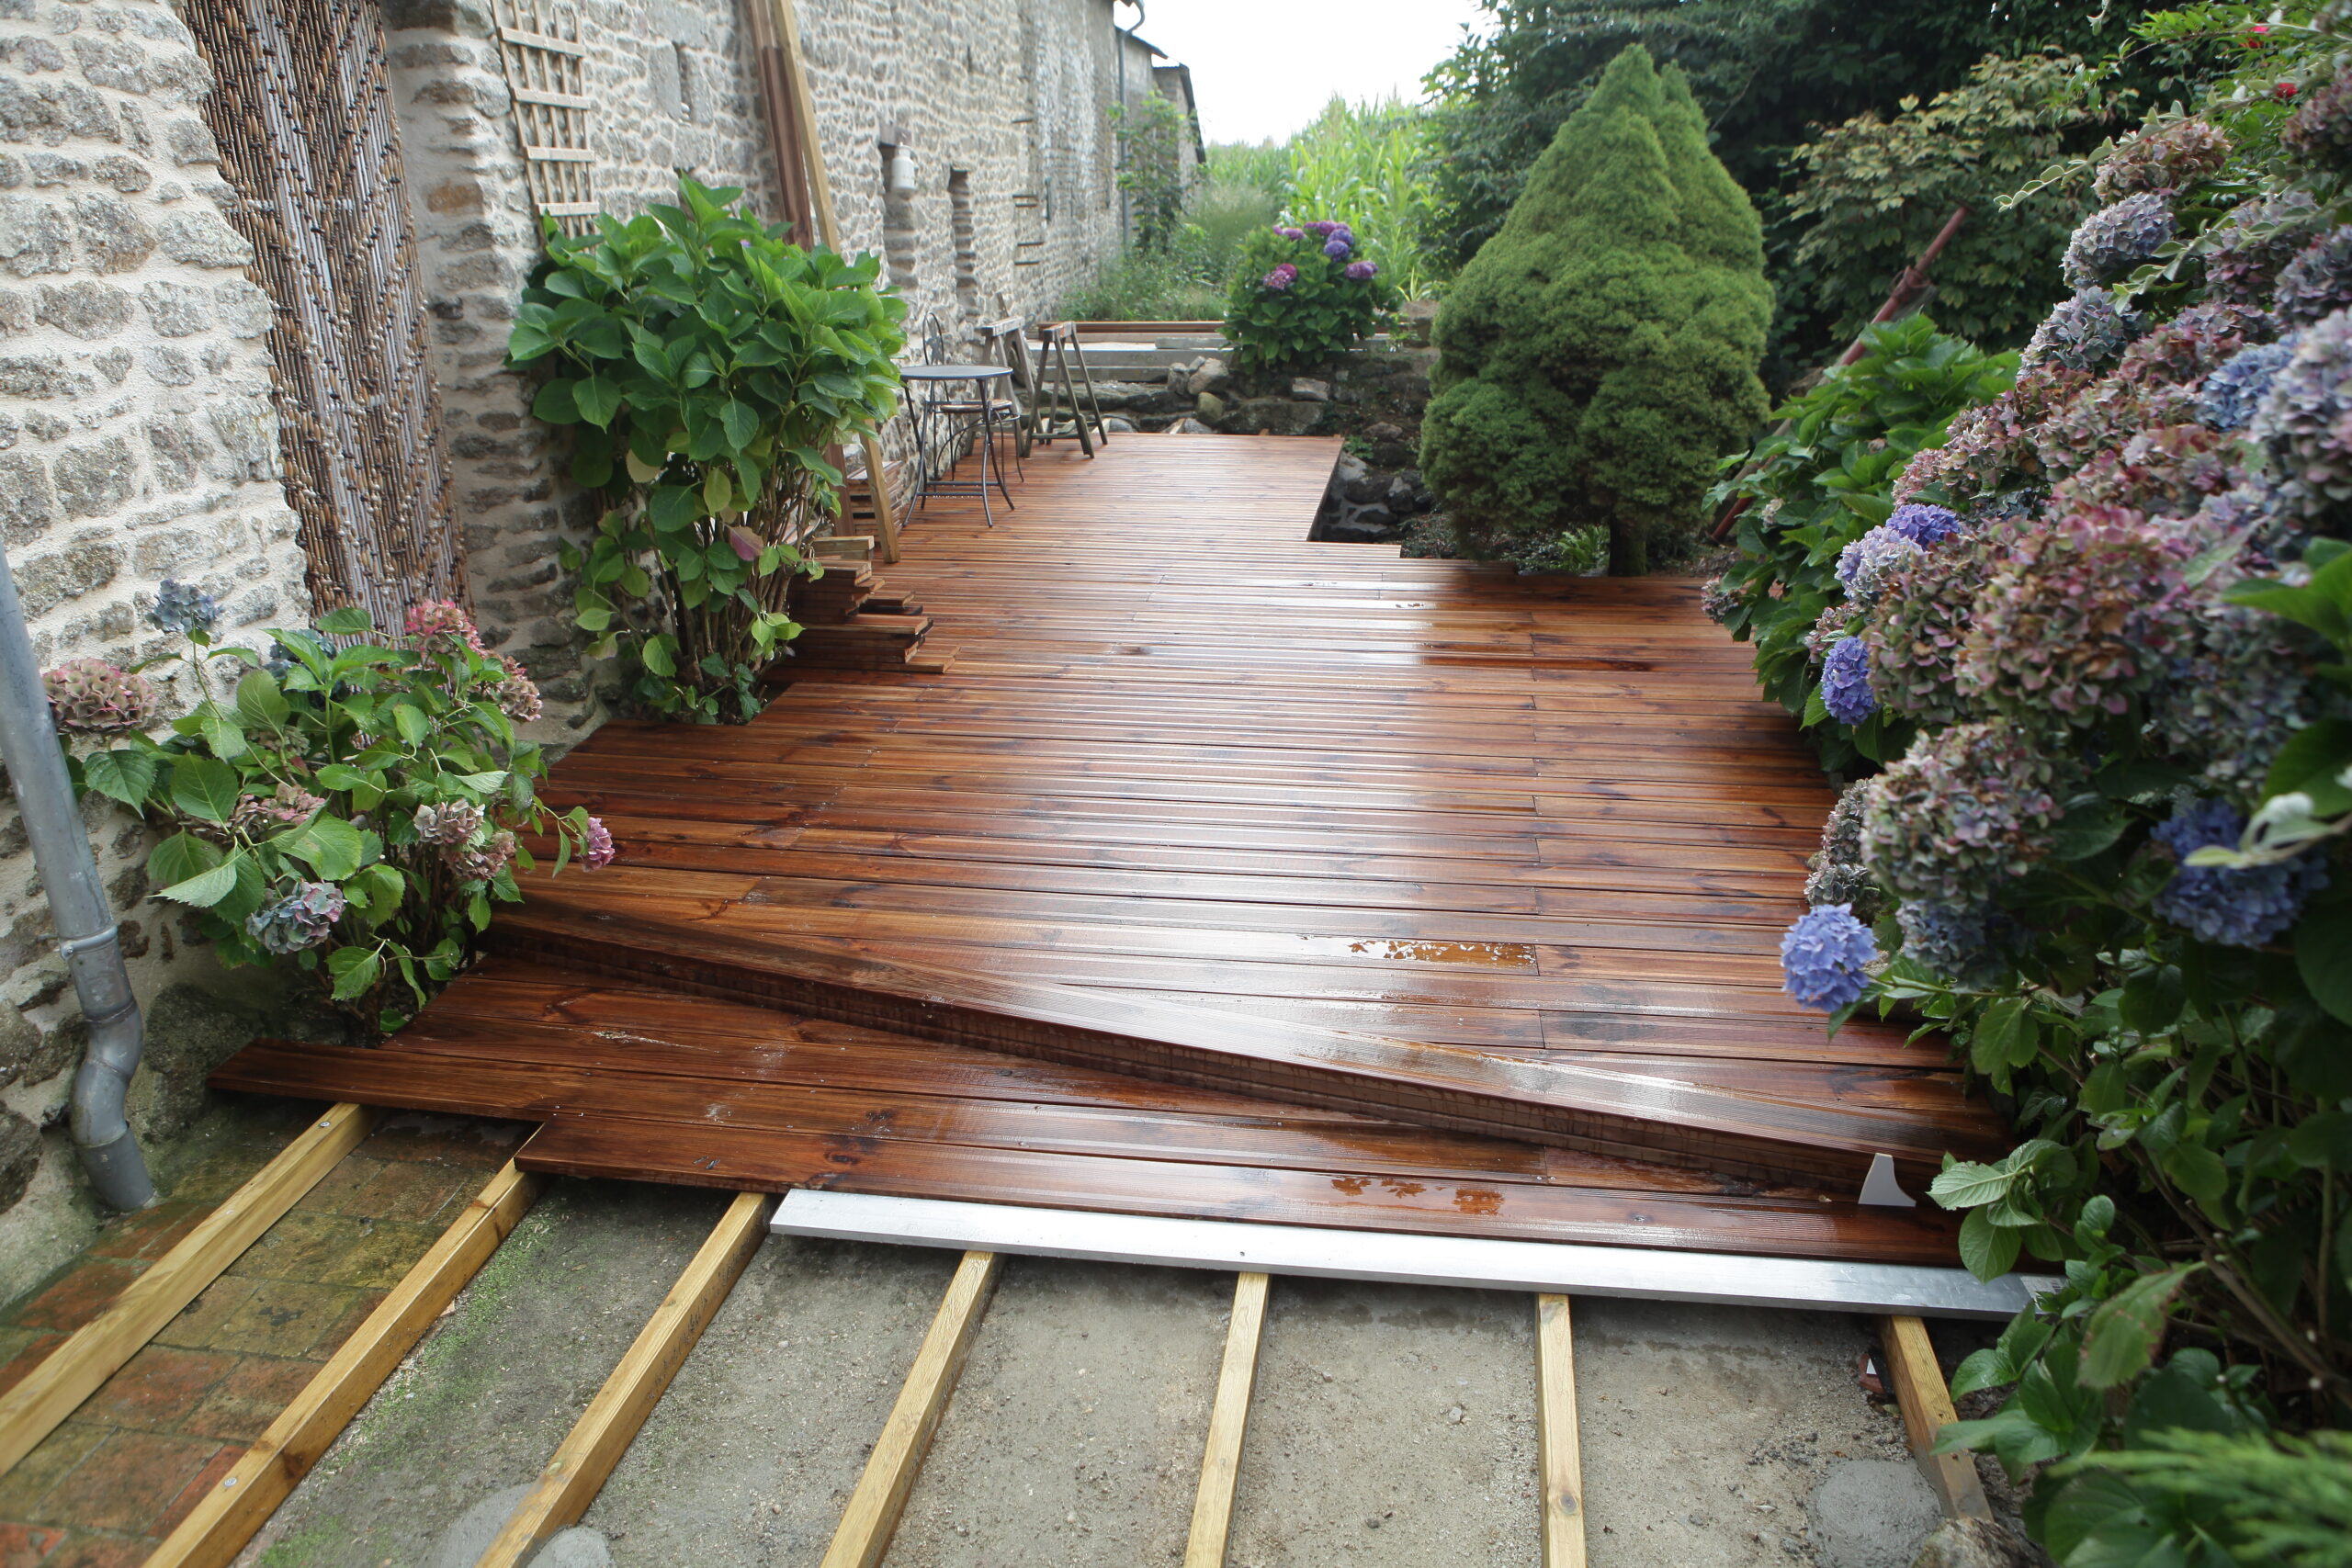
point(349, 804)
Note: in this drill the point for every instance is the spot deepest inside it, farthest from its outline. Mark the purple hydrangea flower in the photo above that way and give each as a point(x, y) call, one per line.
point(1338, 248)
point(1282, 277)
point(1321, 228)
point(304, 917)
point(1361, 270)
point(599, 851)
point(1863, 565)
point(1846, 682)
point(2114, 240)
point(1292, 234)
point(2226, 905)
point(184, 608)
point(2080, 334)
point(1825, 957)
point(1924, 525)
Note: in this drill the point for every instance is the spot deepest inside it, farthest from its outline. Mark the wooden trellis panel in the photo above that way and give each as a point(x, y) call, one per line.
point(547, 73)
point(309, 139)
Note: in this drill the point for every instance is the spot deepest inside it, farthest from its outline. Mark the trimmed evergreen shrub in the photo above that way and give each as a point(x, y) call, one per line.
point(1599, 354)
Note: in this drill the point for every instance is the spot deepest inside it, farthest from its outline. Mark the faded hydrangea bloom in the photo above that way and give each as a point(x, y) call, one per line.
point(444, 621)
point(303, 919)
point(450, 824)
point(2318, 280)
point(2070, 623)
point(1919, 627)
point(598, 849)
point(260, 815)
point(2306, 417)
point(1835, 621)
point(2246, 252)
point(483, 862)
point(2166, 470)
point(1962, 942)
point(2320, 134)
point(2116, 239)
point(1836, 873)
point(1965, 809)
point(89, 696)
point(2232, 906)
point(1717, 600)
point(1824, 958)
point(2233, 691)
point(182, 608)
point(2085, 332)
point(516, 696)
point(2162, 158)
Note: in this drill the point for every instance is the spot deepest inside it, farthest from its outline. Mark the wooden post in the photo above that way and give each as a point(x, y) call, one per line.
point(573, 1478)
point(821, 199)
point(73, 1372)
point(1926, 1402)
point(862, 1538)
point(1560, 1456)
point(1229, 1418)
point(241, 1502)
point(784, 127)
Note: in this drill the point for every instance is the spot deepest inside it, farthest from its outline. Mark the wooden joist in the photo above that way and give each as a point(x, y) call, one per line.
point(1228, 1420)
point(862, 1538)
point(1560, 1456)
point(72, 1371)
point(573, 1478)
point(242, 1501)
point(1916, 1379)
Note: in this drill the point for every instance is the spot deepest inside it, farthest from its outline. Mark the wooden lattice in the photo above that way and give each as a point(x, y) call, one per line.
point(546, 76)
point(308, 140)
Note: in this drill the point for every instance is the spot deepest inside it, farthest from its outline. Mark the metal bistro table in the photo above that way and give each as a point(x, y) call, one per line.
point(942, 422)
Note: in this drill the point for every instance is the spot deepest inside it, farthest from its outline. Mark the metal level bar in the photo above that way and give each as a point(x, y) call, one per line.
point(1476, 1263)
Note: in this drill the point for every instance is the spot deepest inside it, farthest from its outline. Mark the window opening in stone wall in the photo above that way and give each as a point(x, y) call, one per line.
point(538, 42)
point(308, 140)
point(899, 216)
point(968, 244)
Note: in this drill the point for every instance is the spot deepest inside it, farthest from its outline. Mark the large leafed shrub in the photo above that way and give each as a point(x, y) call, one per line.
point(1599, 353)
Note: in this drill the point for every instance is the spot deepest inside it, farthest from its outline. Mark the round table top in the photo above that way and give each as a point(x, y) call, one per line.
point(954, 372)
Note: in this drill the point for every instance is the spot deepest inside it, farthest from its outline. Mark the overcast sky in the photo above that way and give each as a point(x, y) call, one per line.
point(1263, 68)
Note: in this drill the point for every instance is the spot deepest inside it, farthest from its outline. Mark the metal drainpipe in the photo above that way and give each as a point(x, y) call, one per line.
point(85, 927)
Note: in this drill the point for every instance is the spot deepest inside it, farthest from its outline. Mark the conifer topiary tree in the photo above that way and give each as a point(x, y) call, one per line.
point(1599, 354)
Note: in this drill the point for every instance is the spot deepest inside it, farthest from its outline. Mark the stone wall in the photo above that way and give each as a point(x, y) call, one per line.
point(136, 442)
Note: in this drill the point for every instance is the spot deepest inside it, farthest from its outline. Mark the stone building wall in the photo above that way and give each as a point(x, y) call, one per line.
point(136, 442)
point(138, 439)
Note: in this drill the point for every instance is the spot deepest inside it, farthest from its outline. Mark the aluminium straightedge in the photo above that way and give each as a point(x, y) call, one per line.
point(1476, 1263)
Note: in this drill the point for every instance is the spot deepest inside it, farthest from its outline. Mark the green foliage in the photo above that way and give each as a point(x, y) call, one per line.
point(702, 366)
point(1581, 551)
point(1292, 307)
point(2227, 1495)
point(1369, 166)
point(1152, 136)
point(1151, 286)
point(1818, 482)
point(1225, 213)
point(1768, 74)
point(1872, 193)
point(290, 796)
point(1599, 354)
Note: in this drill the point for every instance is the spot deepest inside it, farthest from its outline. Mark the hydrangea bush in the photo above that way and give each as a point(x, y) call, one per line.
point(2110, 854)
point(1818, 519)
point(351, 804)
point(1303, 296)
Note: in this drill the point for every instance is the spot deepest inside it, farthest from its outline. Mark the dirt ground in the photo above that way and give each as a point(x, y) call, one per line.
point(1392, 1426)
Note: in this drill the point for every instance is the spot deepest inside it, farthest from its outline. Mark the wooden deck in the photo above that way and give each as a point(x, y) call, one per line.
point(1225, 874)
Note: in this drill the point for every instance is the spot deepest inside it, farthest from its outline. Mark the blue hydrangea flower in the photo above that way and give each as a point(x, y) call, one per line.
point(1336, 248)
point(182, 608)
point(1924, 525)
point(2235, 388)
point(1825, 957)
point(1846, 682)
point(2225, 905)
point(1862, 566)
point(1963, 941)
point(304, 917)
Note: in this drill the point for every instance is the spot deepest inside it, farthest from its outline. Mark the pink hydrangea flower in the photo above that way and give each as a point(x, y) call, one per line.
point(599, 851)
point(1282, 277)
point(444, 618)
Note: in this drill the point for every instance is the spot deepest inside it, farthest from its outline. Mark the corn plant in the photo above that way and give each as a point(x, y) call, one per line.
point(1368, 164)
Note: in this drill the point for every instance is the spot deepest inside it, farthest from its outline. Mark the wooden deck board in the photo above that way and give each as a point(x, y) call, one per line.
point(1188, 765)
